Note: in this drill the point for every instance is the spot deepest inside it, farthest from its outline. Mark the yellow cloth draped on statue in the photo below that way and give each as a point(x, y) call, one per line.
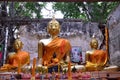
point(13, 61)
point(21, 56)
point(97, 60)
point(16, 58)
point(59, 46)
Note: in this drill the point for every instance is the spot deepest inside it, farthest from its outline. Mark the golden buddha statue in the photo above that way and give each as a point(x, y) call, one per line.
point(17, 57)
point(95, 59)
point(55, 49)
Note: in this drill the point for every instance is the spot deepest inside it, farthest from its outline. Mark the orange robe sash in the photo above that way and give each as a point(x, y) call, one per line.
point(98, 58)
point(59, 46)
point(21, 56)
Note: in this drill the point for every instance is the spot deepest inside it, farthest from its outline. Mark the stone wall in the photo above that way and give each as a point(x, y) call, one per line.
point(114, 36)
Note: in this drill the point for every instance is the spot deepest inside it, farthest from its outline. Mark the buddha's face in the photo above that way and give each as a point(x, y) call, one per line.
point(53, 28)
point(18, 44)
point(94, 44)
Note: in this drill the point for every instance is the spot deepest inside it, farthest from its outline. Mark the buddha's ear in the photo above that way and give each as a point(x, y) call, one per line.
point(22, 44)
point(47, 29)
point(91, 44)
point(59, 28)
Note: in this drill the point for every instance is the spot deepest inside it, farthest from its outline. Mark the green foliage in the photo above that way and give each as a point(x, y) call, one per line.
point(29, 9)
point(91, 11)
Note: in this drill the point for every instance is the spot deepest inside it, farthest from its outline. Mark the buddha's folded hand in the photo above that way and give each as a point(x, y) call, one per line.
point(6, 67)
point(55, 60)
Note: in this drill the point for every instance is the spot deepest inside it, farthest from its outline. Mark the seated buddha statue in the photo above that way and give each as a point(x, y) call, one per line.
point(95, 59)
point(18, 57)
point(53, 50)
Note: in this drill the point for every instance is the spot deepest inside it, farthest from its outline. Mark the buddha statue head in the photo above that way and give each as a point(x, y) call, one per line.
point(18, 44)
point(94, 43)
point(53, 27)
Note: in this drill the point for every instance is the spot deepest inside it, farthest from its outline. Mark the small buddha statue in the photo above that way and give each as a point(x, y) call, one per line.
point(95, 59)
point(53, 46)
point(18, 57)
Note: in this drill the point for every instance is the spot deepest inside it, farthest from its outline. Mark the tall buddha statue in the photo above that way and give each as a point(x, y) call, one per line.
point(18, 57)
point(53, 50)
point(95, 59)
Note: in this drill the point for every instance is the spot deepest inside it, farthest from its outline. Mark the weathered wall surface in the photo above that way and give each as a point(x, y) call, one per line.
point(114, 35)
point(78, 33)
